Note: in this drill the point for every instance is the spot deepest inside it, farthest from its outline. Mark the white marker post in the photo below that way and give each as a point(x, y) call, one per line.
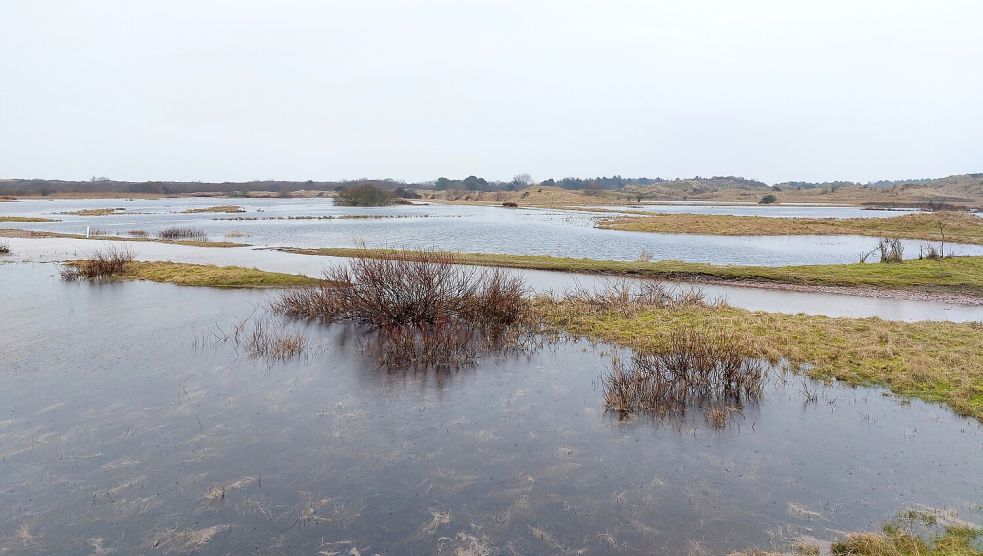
point(86, 232)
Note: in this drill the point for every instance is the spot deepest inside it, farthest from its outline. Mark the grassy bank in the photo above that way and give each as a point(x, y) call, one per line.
point(25, 219)
point(16, 233)
point(95, 212)
point(228, 209)
point(934, 361)
point(187, 274)
point(960, 227)
point(962, 275)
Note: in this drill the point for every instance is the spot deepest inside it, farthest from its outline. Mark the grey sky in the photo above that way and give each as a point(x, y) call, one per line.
point(247, 89)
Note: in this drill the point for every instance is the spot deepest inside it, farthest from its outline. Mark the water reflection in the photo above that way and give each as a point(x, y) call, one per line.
point(117, 435)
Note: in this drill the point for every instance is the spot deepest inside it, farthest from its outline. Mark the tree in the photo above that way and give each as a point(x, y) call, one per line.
point(522, 180)
point(768, 200)
point(364, 196)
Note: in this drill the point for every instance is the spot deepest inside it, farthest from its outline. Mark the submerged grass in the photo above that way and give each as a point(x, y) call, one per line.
point(959, 227)
point(962, 275)
point(14, 232)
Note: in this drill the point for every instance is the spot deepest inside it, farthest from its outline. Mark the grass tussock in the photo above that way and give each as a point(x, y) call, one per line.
point(228, 209)
point(107, 263)
point(421, 310)
point(958, 227)
point(95, 212)
point(261, 336)
point(962, 275)
point(4, 248)
point(236, 234)
point(706, 369)
point(178, 233)
point(137, 233)
point(898, 538)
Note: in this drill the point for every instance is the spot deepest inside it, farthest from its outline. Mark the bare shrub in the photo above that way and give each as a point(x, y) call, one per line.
point(4, 248)
point(644, 256)
point(892, 251)
point(421, 309)
point(628, 297)
point(236, 234)
point(174, 232)
point(698, 368)
point(137, 233)
point(105, 263)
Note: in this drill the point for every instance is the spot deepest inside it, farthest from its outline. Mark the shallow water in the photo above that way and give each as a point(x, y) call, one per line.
point(755, 299)
point(459, 228)
point(117, 434)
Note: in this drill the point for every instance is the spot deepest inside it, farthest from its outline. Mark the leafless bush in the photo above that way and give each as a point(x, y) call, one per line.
point(421, 309)
point(236, 234)
point(172, 233)
point(137, 233)
point(101, 264)
point(644, 256)
point(628, 297)
point(698, 368)
point(4, 248)
point(892, 251)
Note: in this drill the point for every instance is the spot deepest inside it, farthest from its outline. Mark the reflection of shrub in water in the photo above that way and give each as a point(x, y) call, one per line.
point(698, 368)
point(105, 263)
point(420, 308)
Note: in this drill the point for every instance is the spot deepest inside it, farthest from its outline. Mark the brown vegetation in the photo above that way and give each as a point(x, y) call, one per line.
point(172, 233)
point(109, 262)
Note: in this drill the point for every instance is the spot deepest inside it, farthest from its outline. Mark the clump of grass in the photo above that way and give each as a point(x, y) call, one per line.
point(644, 256)
point(106, 263)
point(422, 309)
point(891, 249)
point(627, 298)
point(897, 540)
point(4, 248)
point(259, 336)
point(699, 368)
point(232, 234)
point(137, 233)
point(172, 233)
point(220, 208)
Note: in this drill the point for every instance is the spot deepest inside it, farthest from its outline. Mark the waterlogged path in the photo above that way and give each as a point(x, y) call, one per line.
point(751, 298)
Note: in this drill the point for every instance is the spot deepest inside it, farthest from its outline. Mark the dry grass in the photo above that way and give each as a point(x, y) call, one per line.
point(896, 540)
point(235, 234)
point(934, 361)
point(220, 208)
point(25, 219)
point(959, 227)
point(194, 234)
point(95, 212)
point(107, 263)
point(137, 233)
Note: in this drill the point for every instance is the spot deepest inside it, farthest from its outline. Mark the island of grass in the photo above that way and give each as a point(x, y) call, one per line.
point(952, 275)
point(933, 361)
point(229, 209)
point(958, 227)
point(18, 233)
point(25, 219)
point(187, 274)
point(95, 212)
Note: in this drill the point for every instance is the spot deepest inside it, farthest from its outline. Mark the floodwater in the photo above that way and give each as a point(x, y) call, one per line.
point(481, 229)
point(118, 435)
point(755, 299)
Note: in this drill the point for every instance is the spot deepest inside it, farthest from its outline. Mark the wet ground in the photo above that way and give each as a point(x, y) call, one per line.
point(458, 228)
point(116, 433)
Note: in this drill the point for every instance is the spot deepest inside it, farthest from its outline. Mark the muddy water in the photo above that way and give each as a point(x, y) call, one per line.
point(755, 299)
point(116, 434)
point(459, 228)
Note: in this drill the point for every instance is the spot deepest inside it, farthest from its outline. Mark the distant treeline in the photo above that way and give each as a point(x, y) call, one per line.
point(879, 184)
point(47, 187)
point(474, 183)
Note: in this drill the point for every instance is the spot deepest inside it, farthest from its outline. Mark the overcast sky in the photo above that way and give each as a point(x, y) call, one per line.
point(305, 89)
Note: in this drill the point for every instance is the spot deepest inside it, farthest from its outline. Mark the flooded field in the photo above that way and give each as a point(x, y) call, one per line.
point(755, 299)
point(484, 229)
point(119, 434)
